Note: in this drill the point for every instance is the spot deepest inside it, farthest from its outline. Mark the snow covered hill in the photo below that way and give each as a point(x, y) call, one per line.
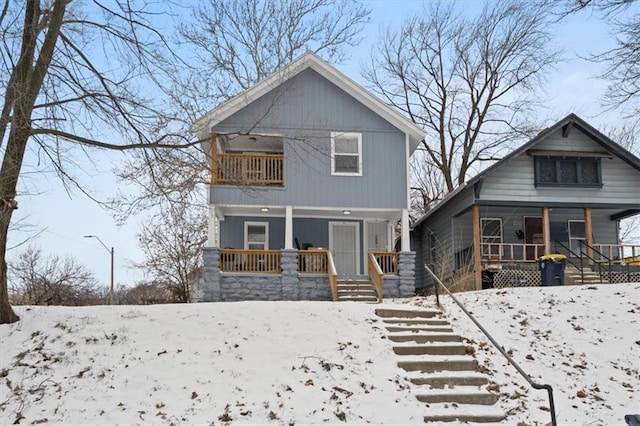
point(311, 362)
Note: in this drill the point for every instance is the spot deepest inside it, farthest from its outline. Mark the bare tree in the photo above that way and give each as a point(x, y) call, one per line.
point(172, 243)
point(143, 293)
point(62, 96)
point(622, 61)
point(465, 80)
point(234, 45)
point(53, 281)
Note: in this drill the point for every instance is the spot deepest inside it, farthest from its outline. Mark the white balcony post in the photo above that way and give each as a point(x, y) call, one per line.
point(213, 231)
point(406, 244)
point(288, 228)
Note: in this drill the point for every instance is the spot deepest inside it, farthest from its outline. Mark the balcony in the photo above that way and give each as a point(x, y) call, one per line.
point(248, 169)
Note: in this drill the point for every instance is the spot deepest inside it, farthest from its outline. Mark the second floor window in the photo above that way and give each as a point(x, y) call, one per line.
point(346, 154)
point(562, 171)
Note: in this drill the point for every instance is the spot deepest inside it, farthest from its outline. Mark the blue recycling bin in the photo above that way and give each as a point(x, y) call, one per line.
point(552, 269)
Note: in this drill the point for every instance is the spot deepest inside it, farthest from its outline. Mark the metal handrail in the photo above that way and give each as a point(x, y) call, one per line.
point(602, 255)
point(581, 268)
point(549, 389)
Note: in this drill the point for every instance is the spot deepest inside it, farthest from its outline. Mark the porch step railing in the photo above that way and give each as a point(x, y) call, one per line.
point(250, 261)
point(387, 260)
point(333, 276)
point(248, 169)
point(376, 274)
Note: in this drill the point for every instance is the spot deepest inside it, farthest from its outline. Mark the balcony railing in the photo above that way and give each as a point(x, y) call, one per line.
point(248, 169)
point(251, 261)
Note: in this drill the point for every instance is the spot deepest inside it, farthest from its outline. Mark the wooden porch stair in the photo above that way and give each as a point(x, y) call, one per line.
point(356, 290)
point(441, 368)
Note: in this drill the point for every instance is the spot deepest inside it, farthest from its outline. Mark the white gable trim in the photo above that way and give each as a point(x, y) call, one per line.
point(203, 125)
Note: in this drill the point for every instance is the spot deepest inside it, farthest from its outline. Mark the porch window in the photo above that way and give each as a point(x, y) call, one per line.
point(561, 171)
point(491, 235)
point(577, 233)
point(256, 236)
point(346, 154)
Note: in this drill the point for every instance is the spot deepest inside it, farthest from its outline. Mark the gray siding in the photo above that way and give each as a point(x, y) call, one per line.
point(307, 230)
point(309, 101)
point(514, 180)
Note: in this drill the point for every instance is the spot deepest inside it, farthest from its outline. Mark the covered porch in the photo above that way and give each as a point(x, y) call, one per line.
point(293, 253)
point(490, 238)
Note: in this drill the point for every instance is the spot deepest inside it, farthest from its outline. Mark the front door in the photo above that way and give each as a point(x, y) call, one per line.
point(377, 239)
point(343, 243)
point(533, 235)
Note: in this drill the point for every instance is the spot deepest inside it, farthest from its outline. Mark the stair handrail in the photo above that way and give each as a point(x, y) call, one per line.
point(547, 387)
point(602, 255)
point(333, 276)
point(571, 252)
point(376, 275)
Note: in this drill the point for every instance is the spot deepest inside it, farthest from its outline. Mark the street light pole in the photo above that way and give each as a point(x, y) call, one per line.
point(111, 252)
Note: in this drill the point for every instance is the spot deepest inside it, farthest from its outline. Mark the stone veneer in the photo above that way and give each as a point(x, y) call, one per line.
point(215, 286)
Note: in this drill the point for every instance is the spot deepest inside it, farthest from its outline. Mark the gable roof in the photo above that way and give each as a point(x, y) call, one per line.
point(312, 61)
point(564, 124)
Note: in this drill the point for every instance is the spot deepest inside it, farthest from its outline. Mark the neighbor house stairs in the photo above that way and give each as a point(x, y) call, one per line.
point(573, 276)
point(356, 290)
point(441, 367)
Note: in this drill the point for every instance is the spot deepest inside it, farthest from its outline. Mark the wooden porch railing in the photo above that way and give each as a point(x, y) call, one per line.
point(248, 169)
point(388, 261)
point(313, 262)
point(251, 261)
point(376, 274)
point(512, 252)
point(617, 253)
point(333, 276)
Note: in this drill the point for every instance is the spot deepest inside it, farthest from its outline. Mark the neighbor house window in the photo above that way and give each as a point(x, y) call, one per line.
point(346, 154)
point(560, 171)
point(491, 235)
point(256, 236)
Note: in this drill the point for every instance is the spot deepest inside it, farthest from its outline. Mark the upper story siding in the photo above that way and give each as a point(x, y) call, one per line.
point(514, 180)
point(305, 110)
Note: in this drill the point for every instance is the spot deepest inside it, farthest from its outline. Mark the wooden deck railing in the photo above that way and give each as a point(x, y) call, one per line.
point(313, 262)
point(512, 252)
point(248, 169)
point(388, 261)
point(333, 276)
point(251, 261)
point(376, 274)
point(617, 253)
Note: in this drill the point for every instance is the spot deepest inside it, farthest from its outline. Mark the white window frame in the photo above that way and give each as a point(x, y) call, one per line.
point(490, 239)
point(266, 234)
point(333, 153)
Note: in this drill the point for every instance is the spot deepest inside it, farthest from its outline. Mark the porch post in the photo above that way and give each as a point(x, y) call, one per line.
point(288, 228)
point(214, 158)
point(588, 234)
point(477, 253)
point(546, 230)
point(406, 244)
point(213, 229)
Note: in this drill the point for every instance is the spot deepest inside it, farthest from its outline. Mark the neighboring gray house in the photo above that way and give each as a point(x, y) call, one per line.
point(310, 175)
point(564, 191)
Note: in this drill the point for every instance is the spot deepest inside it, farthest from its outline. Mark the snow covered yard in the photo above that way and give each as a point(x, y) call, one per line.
point(311, 362)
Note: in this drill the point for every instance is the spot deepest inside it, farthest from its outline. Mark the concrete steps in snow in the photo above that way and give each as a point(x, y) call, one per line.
point(356, 291)
point(441, 367)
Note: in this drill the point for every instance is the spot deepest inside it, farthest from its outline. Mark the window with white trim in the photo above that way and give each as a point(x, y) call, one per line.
point(491, 235)
point(346, 154)
point(256, 236)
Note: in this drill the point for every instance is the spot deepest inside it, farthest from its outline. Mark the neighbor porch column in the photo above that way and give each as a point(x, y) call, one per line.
point(406, 244)
point(477, 248)
point(588, 235)
point(546, 230)
point(288, 228)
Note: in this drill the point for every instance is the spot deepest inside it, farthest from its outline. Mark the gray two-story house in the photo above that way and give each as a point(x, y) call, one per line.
point(309, 177)
point(564, 192)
